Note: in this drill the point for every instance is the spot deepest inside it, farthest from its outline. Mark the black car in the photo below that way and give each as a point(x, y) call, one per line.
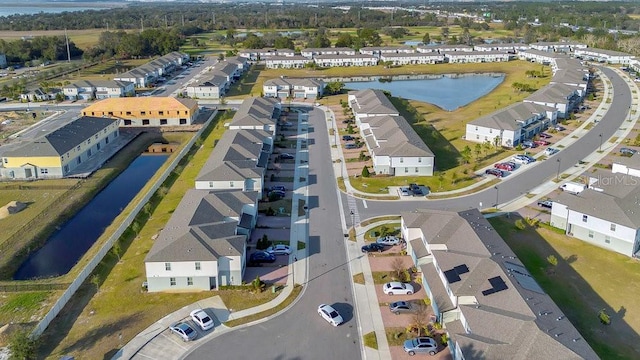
point(416, 189)
point(545, 203)
point(372, 247)
point(402, 307)
point(494, 172)
point(262, 256)
point(347, 137)
point(627, 152)
point(287, 156)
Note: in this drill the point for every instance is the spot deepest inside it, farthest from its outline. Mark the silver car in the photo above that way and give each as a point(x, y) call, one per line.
point(388, 240)
point(421, 345)
point(183, 330)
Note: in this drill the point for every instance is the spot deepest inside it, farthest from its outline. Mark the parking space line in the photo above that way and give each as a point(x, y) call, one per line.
point(173, 341)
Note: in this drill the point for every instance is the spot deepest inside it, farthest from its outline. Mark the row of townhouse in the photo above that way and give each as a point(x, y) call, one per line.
point(293, 88)
point(511, 125)
point(146, 111)
point(219, 77)
point(149, 73)
point(606, 213)
point(489, 304)
point(604, 56)
point(395, 148)
point(58, 153)
point(203, 246)
point(98, 89)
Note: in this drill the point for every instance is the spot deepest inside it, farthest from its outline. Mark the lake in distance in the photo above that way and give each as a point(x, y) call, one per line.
point(446, 92)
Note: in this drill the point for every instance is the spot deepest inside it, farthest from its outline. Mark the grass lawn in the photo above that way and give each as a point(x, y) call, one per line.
point(90, 324)
point(586, 280)
point(370, 340)
point(374, 233)
point(23, 307)
point(396, 336)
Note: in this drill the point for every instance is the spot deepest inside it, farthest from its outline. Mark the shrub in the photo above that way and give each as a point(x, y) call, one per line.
point(365, 172)
point(444, 339)
point(427, 301)
point(552, 260)
point(604, 317)
point(520, 225)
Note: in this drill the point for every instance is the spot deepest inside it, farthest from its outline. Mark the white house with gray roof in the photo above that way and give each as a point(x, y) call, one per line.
point(563, 97)
point(203, 245)
point(313, 52)
point(413, 59)
point(557, 46)
point(345, 60)
point(380, 50)
point(444, 49)
point(258, 114)
point(238, 161)
point(607, 214)
point(476, 56)
point(293, 88)
point(287, 62)
point(395, 148)
point(489, 304)
point(98, 89)
point(605, 56)
point(509, 126)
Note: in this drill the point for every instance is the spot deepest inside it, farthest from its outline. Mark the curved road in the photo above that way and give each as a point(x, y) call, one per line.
point(299, 333)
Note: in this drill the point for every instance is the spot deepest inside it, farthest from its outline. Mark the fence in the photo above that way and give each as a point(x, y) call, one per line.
point(88, 269)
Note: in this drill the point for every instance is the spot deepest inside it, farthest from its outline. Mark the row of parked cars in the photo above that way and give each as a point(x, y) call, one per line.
point(187, 333)
point(381, 243)
point(501, 169)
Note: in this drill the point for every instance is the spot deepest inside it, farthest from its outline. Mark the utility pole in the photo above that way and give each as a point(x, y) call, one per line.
point(213, 18)
point(141, 25)
point(67, 40)
point(183, 20)
point(107, 26)
point(166, 24)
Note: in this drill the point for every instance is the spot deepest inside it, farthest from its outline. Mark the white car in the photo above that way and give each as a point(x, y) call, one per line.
point(202, 319)
point(388, 240)
point(279, 249)
point(330, 314)
point(404, 191)
point(550, 151)
point(397, 288)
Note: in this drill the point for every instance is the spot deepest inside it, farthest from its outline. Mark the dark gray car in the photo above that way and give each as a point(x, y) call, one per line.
point(402, 307)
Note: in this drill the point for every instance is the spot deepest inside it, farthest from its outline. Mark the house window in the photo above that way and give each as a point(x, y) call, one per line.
point(401, 160)
point(189, 281)
point(143, 113)
point(167, 266)
point(98, 146)
point(419, 159)
point(163, 121)
point(89, 152)
point(128, 112)
point(106, 140)
point(88, 141)
point(198, 265)
point(160, 112)
point(96, 137)
point(210, 184)
point(172, 281)
point(230, 183)
point(416, 169)
point(145, 122)
point(406, 170)
point(78, 148)
point(66, 168)
point(127, 122)
point(110, 113)
point(183, 121)
point(584, 218)
point(613, 227)
point(477, 137)
point(476, 128)
point(591, 234)
point(607, 240)
point(44, 171)
point(79, 160)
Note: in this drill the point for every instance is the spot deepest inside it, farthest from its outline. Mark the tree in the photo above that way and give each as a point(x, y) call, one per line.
point(426, 39)
point(284, 42)
point(368, 37)
point(478, 149)
point(486, 146)
point(320, 40)
point(253, 42)
point(344, 40)
point(117, 249)
point(398, 267)
point(95, 280)
point(454, 178)
point(420, 318)
point(444, 31)
point(365, 172)
point(334, 87)
point(466, 154)
point(22, 346)
point(552, 260)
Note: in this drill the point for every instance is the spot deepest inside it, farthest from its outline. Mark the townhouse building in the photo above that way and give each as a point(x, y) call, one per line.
point(58, 153)
point(511, 125)
point(257, 54)
point(147, 74)
point(146, 111)
point(380, 50)
point(476, 56)
point(313, 52)
point(563, 97)
point(219, 79)
point(395, 148)
point(558, 46)
point(345, 60)
point(39, 94)
point(287, 62)
point(257, 114)
point(293, 88)
point(413, 59)
point(98, 89)
point(604, 56)
point(475, 281)
point(539, 56)
point(504, 47)
point(444, 49)
point(606, 213)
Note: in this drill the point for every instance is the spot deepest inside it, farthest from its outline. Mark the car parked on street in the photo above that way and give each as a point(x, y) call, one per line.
point(495, 172)
point(184, 331)
point(262, 256)
point(202, 319)
point(550, 151)
point(373, 247)
point(545, 203)
point(541, 142)
point(402, 307)
point(330, 314)
point(388, 240)
point(404, 191)
point(627, 151)
point(421, 345)
point(523, 159)
point(397, 288)
point(351, 146)
point(279, 249)
point(506, 166)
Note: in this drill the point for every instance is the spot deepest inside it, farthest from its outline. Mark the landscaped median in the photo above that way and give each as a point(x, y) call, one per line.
point(295, 292)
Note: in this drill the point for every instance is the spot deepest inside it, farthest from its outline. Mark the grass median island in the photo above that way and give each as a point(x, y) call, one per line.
point(585, 280)
point(90, 325)
point(261, 315)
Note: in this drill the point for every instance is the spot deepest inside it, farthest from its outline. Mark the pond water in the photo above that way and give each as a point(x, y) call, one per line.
point(449, 92)
point(72, 240)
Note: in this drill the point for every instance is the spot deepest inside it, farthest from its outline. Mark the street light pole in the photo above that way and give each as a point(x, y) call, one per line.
point(600, 142)
point(558, 173)
point(497, 195)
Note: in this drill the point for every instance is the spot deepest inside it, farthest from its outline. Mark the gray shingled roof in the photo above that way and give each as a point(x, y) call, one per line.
point(511, 117)
point(63, 139)
point(294, 82)
point(203, 227)
point(98, 83)
point(395, 137)
point(552, 93)
point(369, 101)
point(507, 324)
point(255, 112)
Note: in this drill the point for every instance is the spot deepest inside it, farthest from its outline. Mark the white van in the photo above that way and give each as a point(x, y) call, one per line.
point(573, 187)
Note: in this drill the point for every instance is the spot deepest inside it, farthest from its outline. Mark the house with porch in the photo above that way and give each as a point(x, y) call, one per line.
point(511, 125)
point(444, 49)
point(478, 285)
point(369, 103)
point(557, 46)
point(214, 88)
point(380, 50)
point(313, 52)
point(58, 153)
point(203, 245)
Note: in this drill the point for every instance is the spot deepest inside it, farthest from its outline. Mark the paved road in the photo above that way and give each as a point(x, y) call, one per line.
point(300, 333)
point(521, 182)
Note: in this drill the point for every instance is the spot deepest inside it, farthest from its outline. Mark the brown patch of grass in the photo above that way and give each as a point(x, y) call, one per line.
point(358, 278)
